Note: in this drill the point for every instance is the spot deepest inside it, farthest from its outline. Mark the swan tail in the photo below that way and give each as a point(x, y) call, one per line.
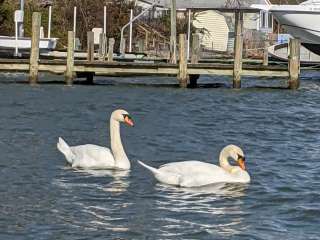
point(164, 176)
point(65, 149)
point(152, 169)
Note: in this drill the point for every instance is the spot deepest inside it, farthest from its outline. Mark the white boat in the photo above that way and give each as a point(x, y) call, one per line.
point(280, 52)
point(301, 21)
point(8, 42)
point(19, 42)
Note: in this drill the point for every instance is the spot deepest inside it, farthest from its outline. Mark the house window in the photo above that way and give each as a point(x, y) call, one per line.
point(270, 21)
point(265, 20)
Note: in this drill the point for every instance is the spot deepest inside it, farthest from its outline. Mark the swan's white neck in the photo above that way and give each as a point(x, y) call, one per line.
point(120, 157)
point(223, 160)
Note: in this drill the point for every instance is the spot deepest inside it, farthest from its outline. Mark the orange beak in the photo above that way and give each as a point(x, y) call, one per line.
point(128, 120)
point(241, 163)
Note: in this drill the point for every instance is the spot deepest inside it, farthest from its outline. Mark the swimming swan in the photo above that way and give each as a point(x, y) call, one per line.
point(91, 156)
point(196, 174)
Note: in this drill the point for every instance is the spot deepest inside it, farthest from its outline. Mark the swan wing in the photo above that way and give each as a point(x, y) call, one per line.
point(91, 156)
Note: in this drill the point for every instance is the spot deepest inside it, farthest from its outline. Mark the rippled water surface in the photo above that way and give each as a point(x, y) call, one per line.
point(43, 198)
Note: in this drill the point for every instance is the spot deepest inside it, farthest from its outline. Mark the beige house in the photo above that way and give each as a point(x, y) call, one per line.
point(213, 30)
point(217, 28)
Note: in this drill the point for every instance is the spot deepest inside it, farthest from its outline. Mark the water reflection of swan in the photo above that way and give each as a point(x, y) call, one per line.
point(119, 180)
point(98, 196)
point(105, 173)
point(220, 206)
point(218, 189)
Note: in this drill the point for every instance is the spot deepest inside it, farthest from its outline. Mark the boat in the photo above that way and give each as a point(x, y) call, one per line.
point(279, 52)
point(301, 21)
point(8, 42)
point(19, 42)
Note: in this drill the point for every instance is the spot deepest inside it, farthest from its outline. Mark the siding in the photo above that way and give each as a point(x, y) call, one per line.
point(215, 36)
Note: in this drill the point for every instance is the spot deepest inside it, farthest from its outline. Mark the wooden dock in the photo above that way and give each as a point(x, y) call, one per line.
point(186, 72)
point(113, 68)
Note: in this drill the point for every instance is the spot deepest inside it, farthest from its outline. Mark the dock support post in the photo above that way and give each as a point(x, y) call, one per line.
point(123, 47)
point(110, 49)
point(195, 54)
point(146, 41)
point(69, 75)
point(90, 46)
point(294, 64)
point(238, 45)
point(141, 46)
point(195, 57)
point(34, 56)
point(102, 47)
point(89, 78)
point(183, 61)
point(173, 37)
point(266, 54)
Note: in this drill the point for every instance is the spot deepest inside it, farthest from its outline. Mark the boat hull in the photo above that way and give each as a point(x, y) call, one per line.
point(8, 42)
point(301, 21)
point(302, 25)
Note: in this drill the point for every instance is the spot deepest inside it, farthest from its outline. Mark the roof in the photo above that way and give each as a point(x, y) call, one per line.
point(208, 4)
point(287, 1)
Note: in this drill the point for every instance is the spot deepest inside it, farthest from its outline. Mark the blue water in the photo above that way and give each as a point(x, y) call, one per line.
point(43, 198)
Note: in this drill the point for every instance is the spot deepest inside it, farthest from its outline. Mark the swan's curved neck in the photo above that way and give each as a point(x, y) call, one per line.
point(223, 160)
point(120, 157)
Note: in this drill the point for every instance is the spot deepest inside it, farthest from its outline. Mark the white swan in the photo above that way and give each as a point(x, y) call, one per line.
point(196, 174)
point(91, 156)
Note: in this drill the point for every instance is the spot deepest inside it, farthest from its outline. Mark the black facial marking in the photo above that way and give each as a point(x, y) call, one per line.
point(241, 157)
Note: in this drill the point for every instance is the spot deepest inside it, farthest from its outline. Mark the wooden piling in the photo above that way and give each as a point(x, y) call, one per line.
point(294, 64)
point(102, 47)
point(89, 77)
point(69, 74)
point(193, 80)
point(183, 61)
point(173, 37)
point(34, 55)
point(266, 54)
point(140, 45)
point(238, 46)
point(195, 52)
point(146, 41)
point(110, 49)
point(90, 46)
point(123, 46)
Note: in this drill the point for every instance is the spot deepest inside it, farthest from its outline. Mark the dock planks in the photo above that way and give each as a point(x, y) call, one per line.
point(112, 68)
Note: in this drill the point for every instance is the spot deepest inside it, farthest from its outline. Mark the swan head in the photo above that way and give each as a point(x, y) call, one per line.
point(237, 154)
point(121, 115)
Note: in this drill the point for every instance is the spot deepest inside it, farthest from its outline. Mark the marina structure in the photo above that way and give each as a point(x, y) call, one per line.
point(187, 72)
point(185, 61)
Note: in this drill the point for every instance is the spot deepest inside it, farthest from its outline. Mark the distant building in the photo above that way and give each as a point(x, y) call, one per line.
point(213, 29)
point(217, 28)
